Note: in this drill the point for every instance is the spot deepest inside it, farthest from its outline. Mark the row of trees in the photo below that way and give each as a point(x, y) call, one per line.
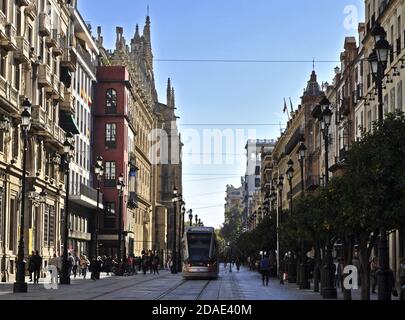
point(354, 208)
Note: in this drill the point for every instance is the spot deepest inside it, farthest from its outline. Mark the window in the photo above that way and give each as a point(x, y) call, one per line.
point(13, 225)
point(392, 105)
point(46, 225)
point(109, 216)
point(3, 62)
point(1, 142)
point(111, 135)
point(399, 95)
point(51, 224)
point(111, 101)
point(110, 174)
point(15, 143)
point(3, 6)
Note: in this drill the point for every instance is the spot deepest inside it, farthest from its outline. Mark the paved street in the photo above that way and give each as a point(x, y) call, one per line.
point(244, 285)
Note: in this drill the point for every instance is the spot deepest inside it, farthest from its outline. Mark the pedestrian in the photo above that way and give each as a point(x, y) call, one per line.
point(93, 268)
point(53, 262)
point(71, 263)
point(237, 264)
point(155, 264)
point(265, 269)
point(31, 267)
point(84, 264)
point(374, 269)
point(76, 263)
point(249, 262)
point(37, 266)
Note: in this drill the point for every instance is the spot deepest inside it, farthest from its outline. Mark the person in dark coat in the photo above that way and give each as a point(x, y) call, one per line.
point(31, 267)
point(37, 261)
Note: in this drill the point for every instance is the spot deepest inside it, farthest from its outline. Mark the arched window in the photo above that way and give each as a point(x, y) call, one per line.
point(111, 101)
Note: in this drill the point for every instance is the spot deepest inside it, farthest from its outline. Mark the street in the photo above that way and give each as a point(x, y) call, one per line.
point(245, 285)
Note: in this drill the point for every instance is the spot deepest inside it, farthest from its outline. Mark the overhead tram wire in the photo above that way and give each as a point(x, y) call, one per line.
point(245, 61)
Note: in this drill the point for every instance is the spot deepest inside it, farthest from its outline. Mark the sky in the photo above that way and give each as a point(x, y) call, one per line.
point(237, 100)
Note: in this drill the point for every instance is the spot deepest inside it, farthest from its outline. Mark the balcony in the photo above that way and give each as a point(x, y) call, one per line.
point(87, 197)
point(67, 104)
point(52, 40)
point(61, 92)
point(23, 50)
point(31, 11)
point(44, 25)
point(58, 49)
point(69, 60)
point(86, 56)
point(9, 42)
point(44, 76)
point(10, 95)
point(39, 119)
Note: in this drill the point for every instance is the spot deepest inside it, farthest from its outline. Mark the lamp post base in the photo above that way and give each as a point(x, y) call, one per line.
point(329, 293)
point(20, 287)
point(304, 283)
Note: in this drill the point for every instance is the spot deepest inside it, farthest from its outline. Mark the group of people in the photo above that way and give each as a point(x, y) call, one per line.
point(81, 265)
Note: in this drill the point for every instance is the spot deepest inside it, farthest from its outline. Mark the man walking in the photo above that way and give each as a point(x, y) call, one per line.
point(265, 269)
point(37, 261)
point(31, 267)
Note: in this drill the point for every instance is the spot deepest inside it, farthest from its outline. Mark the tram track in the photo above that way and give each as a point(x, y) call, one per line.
point(182, 283)
point(126, 287)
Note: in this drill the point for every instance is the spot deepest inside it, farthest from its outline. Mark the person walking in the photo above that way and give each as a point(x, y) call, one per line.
point(71, 263)
point(374, 269)
point(31, 267)
point(37, 266)
point(76, 263)
point(84, 264)
point(237, 262)
point(155, 265)
point(53, 262)
point(265, 269)
point(93, 268)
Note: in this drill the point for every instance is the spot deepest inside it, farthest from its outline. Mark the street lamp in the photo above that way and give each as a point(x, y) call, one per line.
point(181, 230)
point(120, 188)
point(20, 286)
point(378, 63)
point(329, 291)
point(99, 172)
point(174, 255)
point(301, 157)
point(280, 187)
point(190, 217)
point(68, 149)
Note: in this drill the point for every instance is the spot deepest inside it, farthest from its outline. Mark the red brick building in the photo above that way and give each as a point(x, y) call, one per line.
point(114, 132)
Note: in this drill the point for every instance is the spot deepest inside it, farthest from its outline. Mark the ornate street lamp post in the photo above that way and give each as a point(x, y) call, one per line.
point(280, 187)
point(20, 286)
point(181, 231)
point(120, 188)
point(174, 255)
point(378, 63)
point(304, 283)
point(329, 290)
point(99, 172)
point(68, 149)
point(190, 217)
point(290, 175)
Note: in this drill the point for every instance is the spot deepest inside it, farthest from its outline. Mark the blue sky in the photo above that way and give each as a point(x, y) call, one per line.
point(235, 95)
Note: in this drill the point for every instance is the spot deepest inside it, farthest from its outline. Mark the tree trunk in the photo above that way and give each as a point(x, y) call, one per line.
point(348, 260)
point(365, 268)
point(317, 267)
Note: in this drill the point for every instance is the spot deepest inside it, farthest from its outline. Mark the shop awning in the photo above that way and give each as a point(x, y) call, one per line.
point(68, 123)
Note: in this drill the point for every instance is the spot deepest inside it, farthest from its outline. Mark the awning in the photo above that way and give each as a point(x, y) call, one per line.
point(68, 123)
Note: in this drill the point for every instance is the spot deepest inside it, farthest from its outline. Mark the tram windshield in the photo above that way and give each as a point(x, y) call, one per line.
point(199, 246)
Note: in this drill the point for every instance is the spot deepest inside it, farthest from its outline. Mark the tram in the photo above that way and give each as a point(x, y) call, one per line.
point(200, 252)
